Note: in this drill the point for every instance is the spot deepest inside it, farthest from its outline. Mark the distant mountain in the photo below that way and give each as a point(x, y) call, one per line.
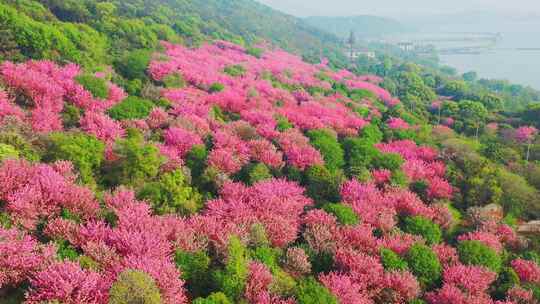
point(364, 26)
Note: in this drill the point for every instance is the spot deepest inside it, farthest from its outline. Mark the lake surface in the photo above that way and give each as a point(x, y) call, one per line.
point(505, 61)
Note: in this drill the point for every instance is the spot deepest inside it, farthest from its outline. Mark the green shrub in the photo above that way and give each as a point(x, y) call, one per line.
point(255, 52)
point(174, 81)
point(322, 185)
point(359, 154)
point(390, 161)
point(283, 284)
point(196, 162)
point(66, 251)
point(329, 147)
point(131, 108)
point(133, 286)
point(424, 264)
point(254, 173)
point(423, 227)
point(257, 236)
point(267, 255)
point(5, 220)
point(420, 187)
point(137, 162)
point(232, 279)
point(216, 87)
point(97, 86)
point(507, 279)
point(215, 298)
point(283, 124)
point(71, 115)
point(88, 263)
point(310, 291)
point(84, 151)
point(476, 253)
point(133, 65)
point(372, 134)
point(8, 151)
point(531, 256)
point(195, 271)
point(399, 179)
point(392, 261)
point(171, 193)
point(535, 288)
point(344, 213)
point(133, 87)
point(235, 70)
point(23, 146)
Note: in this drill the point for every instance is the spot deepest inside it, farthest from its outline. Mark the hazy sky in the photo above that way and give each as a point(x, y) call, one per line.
point(399, 7)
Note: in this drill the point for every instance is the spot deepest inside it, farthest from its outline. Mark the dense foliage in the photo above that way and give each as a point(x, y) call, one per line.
point(231, 174)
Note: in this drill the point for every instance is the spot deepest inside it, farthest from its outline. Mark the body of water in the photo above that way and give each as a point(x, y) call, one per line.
point(515, 57)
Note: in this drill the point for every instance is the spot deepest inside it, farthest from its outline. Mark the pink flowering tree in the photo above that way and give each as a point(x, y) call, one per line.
point(526, 135)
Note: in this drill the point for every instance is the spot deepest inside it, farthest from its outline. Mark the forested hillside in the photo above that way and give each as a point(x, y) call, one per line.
point(84, 31)
point(160, 152)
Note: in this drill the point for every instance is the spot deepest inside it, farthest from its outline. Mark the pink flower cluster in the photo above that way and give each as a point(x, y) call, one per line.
point(463, 284)
point(421, 164)
point(255, 100)
point(34, 192)
point(21, 256)
point(45, 87)
point(526, 134)
point(528, 271)
point(380, 207)
point(139, 241)
point(276, 204)
point(397, 124)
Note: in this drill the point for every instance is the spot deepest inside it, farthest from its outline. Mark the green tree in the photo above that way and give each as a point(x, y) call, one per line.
point(97, 86)
point(133, 286)
point(131, 108)
point(359, 154)
point(312, 292)
point(232, 279)
point(423, 227)
point(331, 150)
point(254, 173)
point(473, 114)
point(344, 213)
point(392, 261)
point(455, 88)
point(133, 64)
point(214, 298)
point(138, 161)
point(8, 151)
point(424, 264)
point(195, 268)
point(322, 185)
point(171, 193)
point(476, 253)
point(84, 151)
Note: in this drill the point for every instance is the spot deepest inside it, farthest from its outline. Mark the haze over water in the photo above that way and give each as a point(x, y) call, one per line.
point(506, 60)
point(518, 21)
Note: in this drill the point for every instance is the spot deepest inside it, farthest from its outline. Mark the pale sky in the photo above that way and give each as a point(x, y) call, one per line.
point(396, 8)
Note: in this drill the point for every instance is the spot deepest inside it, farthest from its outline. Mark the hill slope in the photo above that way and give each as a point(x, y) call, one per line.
point(181, 171)
point(71, 28)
